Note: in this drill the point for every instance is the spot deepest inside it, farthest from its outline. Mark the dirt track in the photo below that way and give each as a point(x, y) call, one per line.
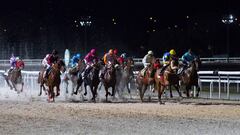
point(114, 118)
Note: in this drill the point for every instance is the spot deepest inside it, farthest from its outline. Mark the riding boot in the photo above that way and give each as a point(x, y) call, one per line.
point(47, 73)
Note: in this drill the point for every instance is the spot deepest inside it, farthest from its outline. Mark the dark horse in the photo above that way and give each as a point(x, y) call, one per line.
point(92, 80)
point(13, 78)
point(53, 80)
point(109, 79)
point(144, 81)
point(189, 77)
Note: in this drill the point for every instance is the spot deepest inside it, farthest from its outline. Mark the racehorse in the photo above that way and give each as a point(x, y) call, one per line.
point(170, 78)
point(75, 76)
point(92, 79)
point(53, 79)
point(144, 81)
point(13, 78)
point(109, 79)
point(189, 77)
point(124, 76)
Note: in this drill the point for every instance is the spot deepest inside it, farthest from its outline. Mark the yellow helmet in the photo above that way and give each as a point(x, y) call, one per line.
point(172, 52)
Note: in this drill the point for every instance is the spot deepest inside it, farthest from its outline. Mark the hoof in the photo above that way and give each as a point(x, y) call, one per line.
point(57, 94)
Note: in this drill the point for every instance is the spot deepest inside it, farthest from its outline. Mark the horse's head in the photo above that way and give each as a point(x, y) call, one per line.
point(130, 62)
point(110, 68)
point(197, 63)
point(60, 65)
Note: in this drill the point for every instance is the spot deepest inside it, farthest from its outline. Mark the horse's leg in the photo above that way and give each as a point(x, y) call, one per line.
point(7, 80)
point(85, 88)
point(45, 90)
point(53, 93)
point(101, 84)
point(106, 89)
point(128, 88)
point(177, 87)
point(93, 93)
point(22, 87)
point(73, 86)
point(49, 93)
point(160, 91)
point(144, 88)
point(170, 90)
point(113, 91)
point(40, 92)
point(198, 90)
point(58, 90)
point(187, 90)
point(66, 82)
point(14, 86)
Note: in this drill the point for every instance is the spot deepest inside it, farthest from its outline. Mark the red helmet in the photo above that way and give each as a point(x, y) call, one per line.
point(93, 51)
point(115, 51)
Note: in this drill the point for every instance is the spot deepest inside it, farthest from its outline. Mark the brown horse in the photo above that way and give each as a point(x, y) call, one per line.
point(109, 80)
point(170, 78)
point(13, 78)
point(54, 79)
point(144, 81)
point(189, 77)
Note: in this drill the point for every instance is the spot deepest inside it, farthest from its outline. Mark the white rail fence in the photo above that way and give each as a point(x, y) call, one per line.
point(223, 79)
point(37, 62)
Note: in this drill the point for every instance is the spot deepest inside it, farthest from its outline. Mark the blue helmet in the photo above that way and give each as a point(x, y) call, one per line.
point(78, 55)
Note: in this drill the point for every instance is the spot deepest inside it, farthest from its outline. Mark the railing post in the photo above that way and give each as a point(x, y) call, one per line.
point(210, 96)
point(228, 83)
point(219, 86)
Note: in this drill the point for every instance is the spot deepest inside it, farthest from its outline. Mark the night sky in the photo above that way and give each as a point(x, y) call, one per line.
point(158, 25)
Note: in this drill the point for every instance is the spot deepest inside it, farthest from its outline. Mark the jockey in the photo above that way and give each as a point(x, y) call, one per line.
point(49, 60)
point(75, 59)
point(147, 61)
point(122, 59)
point(12, 63)
point(167, 57)
point(188, 57)
point(109, 57)
point(19, 63)
point(115, 53)
point(89, 60)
